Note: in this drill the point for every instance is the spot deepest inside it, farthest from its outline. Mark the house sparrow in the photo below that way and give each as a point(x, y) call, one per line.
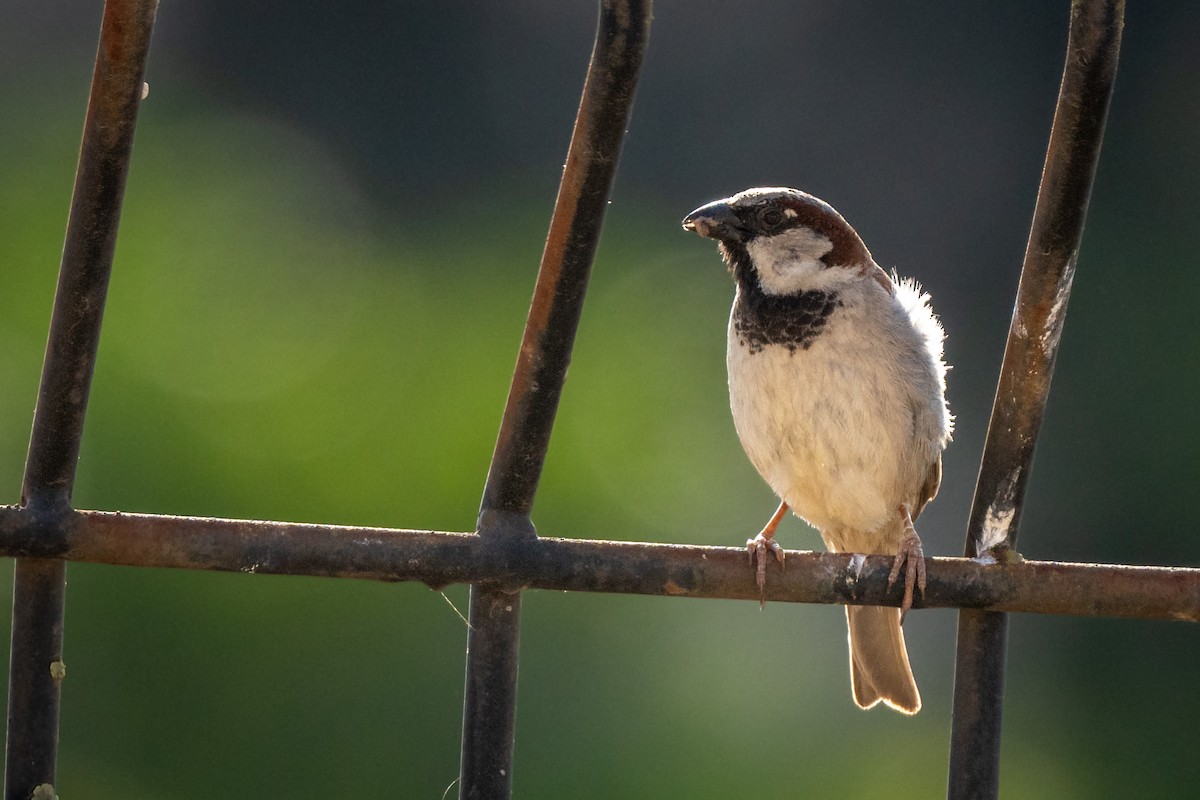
point(837, 387)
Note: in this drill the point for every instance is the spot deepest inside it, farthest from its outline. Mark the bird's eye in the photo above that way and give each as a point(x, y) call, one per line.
point(770, 217)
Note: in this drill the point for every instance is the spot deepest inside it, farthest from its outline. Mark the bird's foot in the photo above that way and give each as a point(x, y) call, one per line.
point(911, 557)
point(758, 548)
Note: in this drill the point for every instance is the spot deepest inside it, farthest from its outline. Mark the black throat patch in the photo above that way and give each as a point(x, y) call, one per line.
point(794, 321)
point(759, 319)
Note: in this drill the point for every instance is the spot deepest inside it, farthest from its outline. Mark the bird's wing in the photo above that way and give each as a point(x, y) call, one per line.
point(882, 278)
point(929, 490)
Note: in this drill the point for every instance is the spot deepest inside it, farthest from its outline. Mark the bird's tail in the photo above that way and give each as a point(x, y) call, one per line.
point(879, 667)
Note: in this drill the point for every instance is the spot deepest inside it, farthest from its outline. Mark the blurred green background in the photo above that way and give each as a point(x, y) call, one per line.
point(331, 231)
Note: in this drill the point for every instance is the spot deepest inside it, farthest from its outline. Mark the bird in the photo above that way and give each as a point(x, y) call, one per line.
point(837, 388)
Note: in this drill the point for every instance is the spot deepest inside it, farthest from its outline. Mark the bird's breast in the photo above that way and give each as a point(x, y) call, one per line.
point(820, 410)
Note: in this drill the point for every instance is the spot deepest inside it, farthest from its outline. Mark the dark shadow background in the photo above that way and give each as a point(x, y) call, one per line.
point(332, 228)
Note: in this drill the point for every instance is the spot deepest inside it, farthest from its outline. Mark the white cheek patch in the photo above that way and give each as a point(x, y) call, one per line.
point(787, 261)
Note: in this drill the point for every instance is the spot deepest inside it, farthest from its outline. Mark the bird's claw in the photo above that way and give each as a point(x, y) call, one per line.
point(912, 558)
point(757, 549)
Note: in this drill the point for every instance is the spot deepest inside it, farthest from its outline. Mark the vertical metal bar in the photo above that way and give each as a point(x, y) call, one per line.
point(39, 593)
point(604, 109)
point(978, 705)
point(36, 669)
point(490, 698)
point(1093, 47)
point(489, 706)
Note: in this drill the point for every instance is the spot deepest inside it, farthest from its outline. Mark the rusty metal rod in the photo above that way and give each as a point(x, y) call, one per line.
point(1047, 273)
point(87, 256)
point(39, 596)
point(39, 586)
point(490, 695)
point(1076, 135)
point(604, 111)
point(441, 558)
point(489, 708)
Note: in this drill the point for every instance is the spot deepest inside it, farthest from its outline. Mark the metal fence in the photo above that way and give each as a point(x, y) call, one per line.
point(504, 555)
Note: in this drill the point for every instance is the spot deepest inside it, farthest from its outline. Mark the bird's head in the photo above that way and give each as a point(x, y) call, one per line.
point(785, 240)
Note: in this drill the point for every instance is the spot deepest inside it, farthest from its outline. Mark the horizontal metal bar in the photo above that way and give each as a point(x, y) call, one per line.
point(441, 558)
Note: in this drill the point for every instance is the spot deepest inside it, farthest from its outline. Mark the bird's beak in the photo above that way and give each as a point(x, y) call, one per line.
point(715, 221)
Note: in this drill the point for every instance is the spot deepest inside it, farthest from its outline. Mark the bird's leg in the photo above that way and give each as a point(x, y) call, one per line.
point(909, 553)
point(758, 547)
